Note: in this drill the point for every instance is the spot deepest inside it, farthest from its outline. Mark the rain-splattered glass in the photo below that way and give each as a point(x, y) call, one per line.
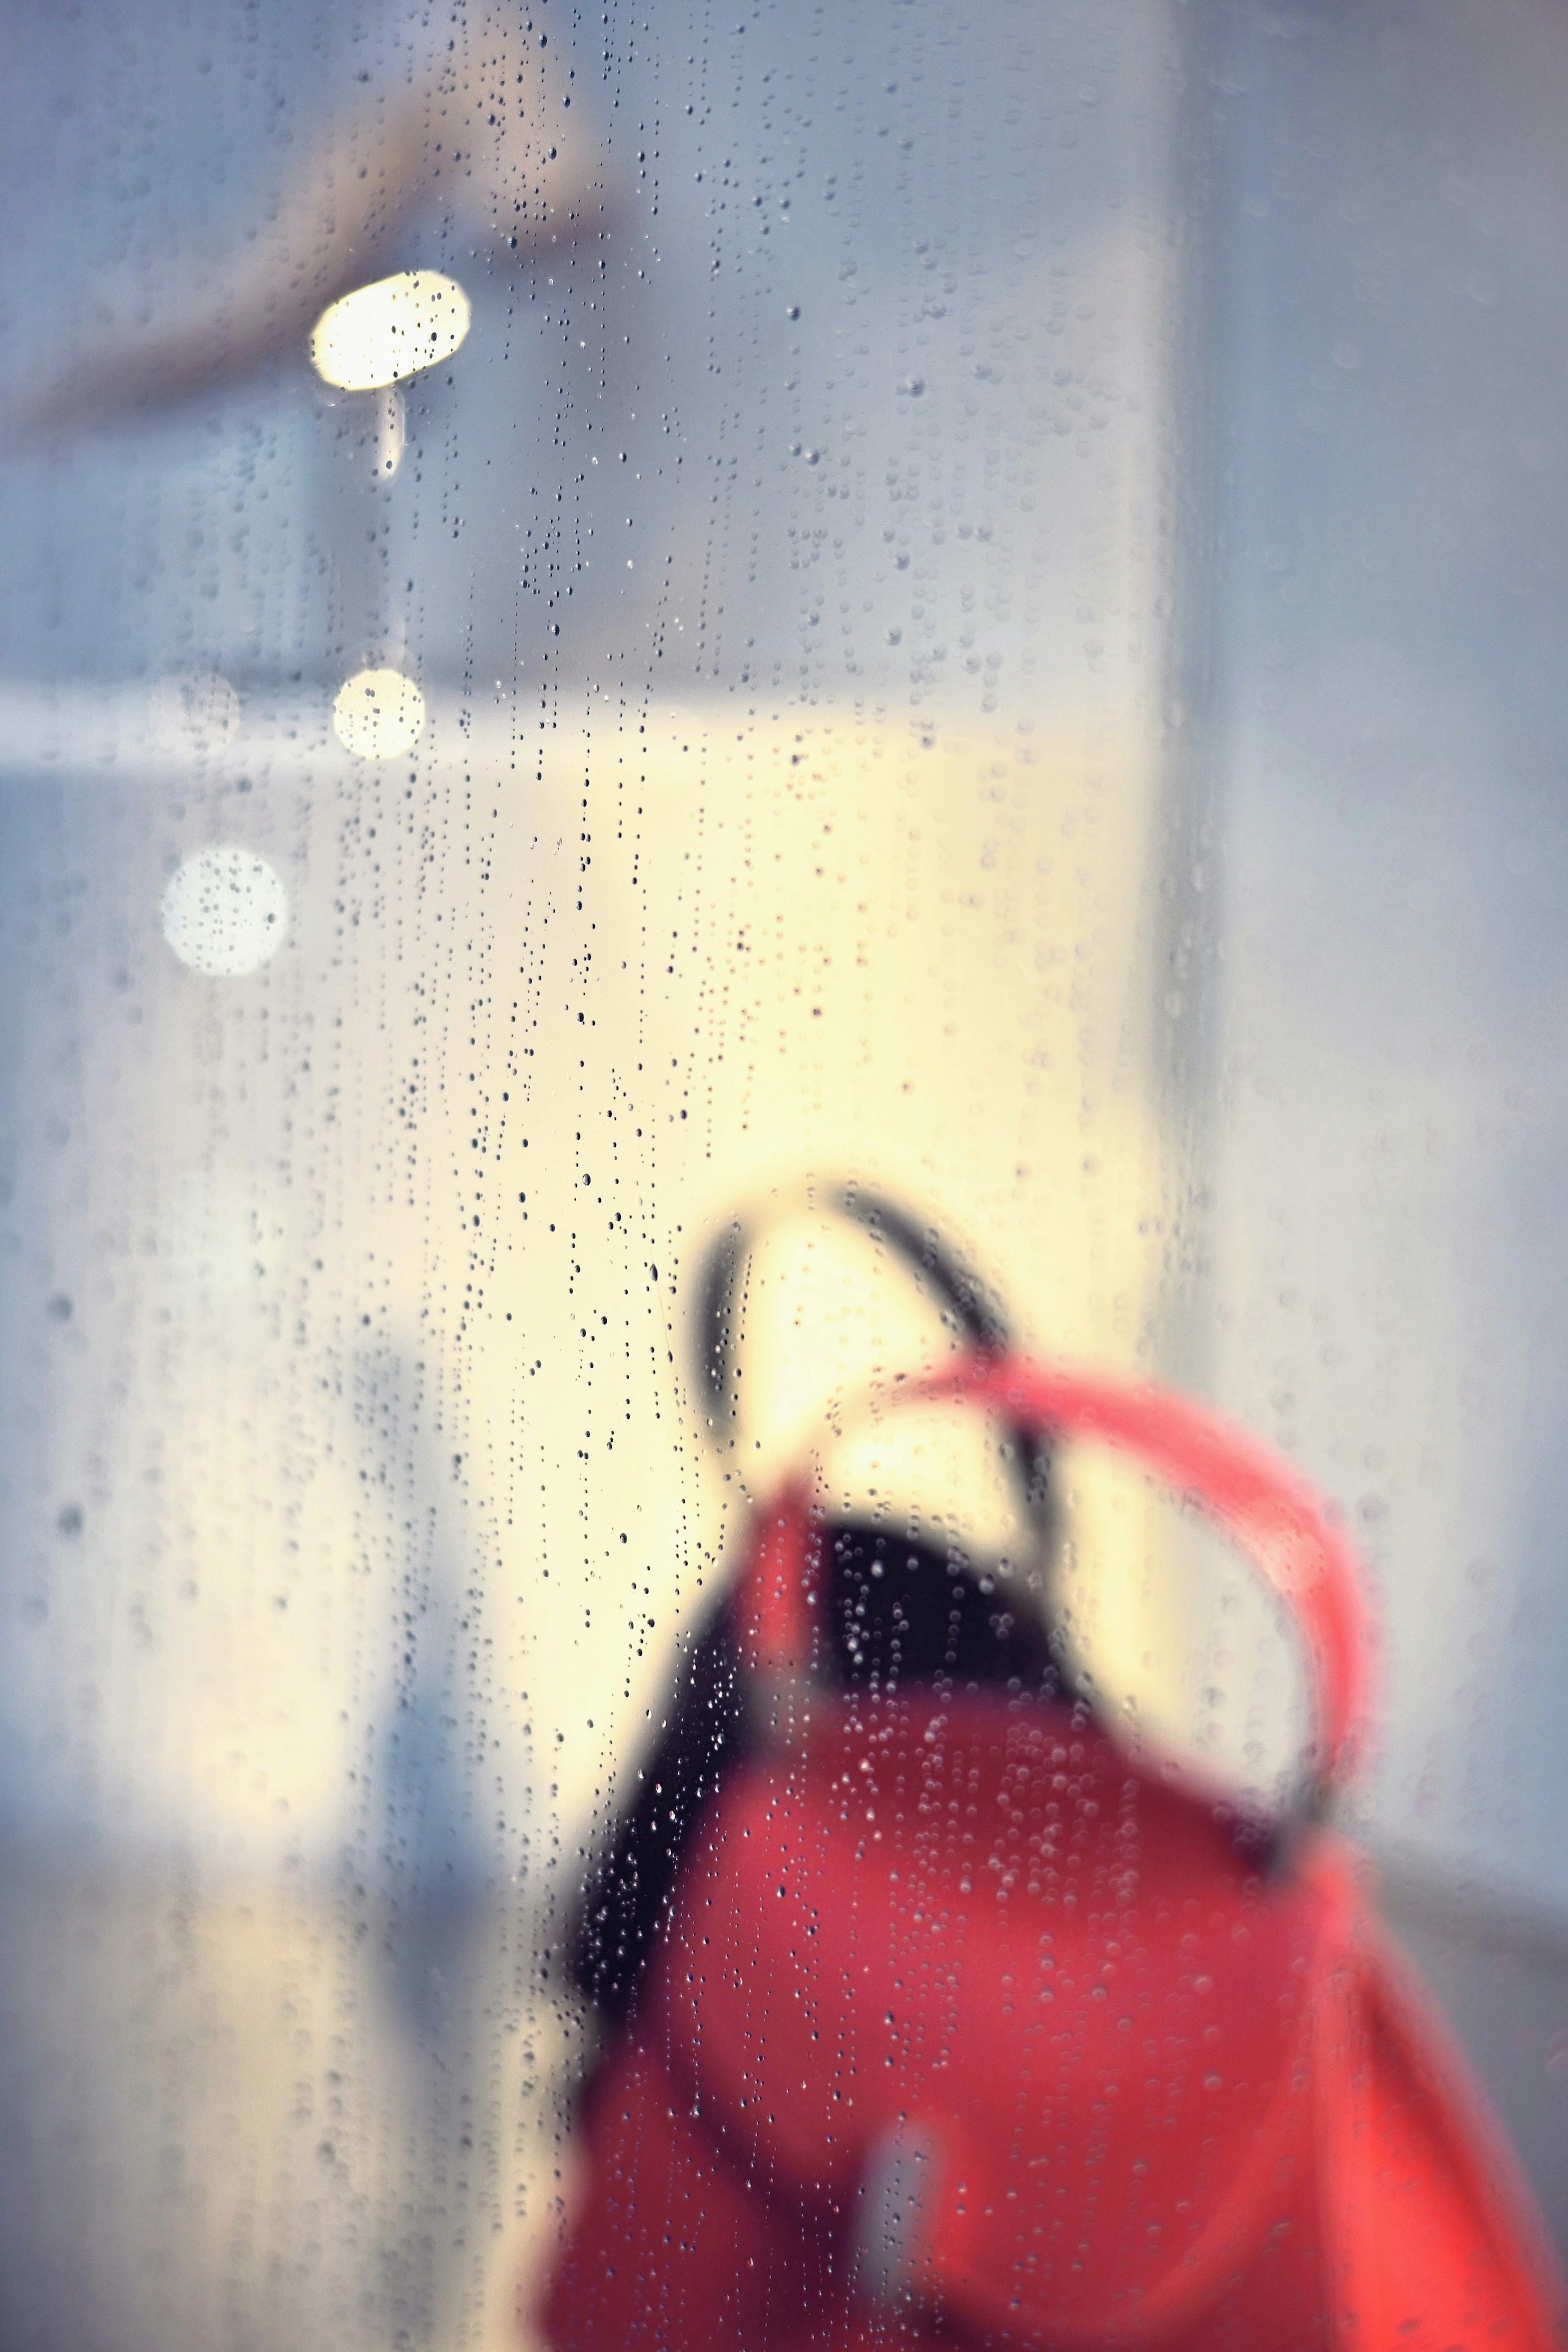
point(697, 708)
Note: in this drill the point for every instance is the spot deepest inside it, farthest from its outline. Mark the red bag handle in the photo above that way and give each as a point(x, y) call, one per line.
point(1250, 1492)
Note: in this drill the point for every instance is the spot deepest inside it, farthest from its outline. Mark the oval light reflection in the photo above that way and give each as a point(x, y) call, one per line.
point(381, 333)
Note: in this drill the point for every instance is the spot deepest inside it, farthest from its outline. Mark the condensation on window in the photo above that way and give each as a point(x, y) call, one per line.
point(625, 626)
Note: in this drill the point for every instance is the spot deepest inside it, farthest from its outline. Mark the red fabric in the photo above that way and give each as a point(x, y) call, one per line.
point(1436, 2243)
point(1125, 2089)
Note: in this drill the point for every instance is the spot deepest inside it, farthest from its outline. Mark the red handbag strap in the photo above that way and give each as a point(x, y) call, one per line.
point(1249, 1493)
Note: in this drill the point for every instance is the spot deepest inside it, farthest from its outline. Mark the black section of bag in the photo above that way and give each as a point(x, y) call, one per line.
point(900, 1612)
point(964, 1305)
point(900, 1609)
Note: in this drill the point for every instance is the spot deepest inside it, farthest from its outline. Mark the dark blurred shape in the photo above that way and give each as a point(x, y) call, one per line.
point(900, 1608)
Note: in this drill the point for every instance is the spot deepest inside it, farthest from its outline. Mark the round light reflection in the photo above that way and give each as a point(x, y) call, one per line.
point(225, 910)
point(381, 333)
point(378, 713)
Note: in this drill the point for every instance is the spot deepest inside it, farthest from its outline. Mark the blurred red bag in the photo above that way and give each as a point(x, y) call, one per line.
point(970, 2029)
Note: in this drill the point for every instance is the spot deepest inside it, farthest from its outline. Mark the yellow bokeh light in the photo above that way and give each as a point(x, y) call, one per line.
point(381, 333)
point(378, 713)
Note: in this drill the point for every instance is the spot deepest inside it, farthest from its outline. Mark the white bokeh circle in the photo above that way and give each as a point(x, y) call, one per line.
point(225, 910)
point(378, 713)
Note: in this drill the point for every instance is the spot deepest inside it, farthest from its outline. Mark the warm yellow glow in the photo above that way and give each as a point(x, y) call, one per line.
point(381, 333)
point(378, 713)
point(919, 957)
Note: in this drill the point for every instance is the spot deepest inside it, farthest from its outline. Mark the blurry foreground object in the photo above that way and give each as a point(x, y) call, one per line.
point(965, 2021)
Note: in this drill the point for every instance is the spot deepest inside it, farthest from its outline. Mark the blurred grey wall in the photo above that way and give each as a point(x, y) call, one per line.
point(1389, 1240)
